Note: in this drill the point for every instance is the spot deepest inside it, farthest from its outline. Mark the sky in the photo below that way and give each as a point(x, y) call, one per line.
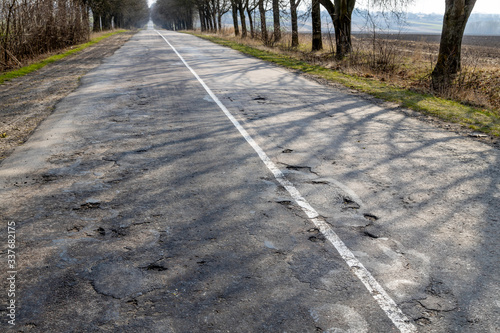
point(437, 6)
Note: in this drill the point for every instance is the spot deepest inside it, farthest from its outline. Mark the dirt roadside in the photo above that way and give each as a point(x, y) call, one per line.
point(26, 101)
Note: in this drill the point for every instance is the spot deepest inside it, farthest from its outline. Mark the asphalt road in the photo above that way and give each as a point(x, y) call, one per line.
point(138, 206)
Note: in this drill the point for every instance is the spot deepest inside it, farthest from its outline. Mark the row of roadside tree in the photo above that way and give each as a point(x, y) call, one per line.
point(178, 14)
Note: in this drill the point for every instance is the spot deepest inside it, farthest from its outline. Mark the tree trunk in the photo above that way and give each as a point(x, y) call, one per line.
point(214, 15)
point(202, 19)
point(342, 25)
point(330, 7)
point(219, 15)
point(6, 36)
point(243, 19)
point(235, 18)
point(317, 41)
point(263, 25)
point(212, 23)
point(456, 14)
point(250, 20)
point(276, 19)
point(295, 27)
point(208, 19)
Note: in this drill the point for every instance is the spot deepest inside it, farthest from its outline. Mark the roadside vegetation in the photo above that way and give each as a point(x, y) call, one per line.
point(36, 65)
point(30, 28)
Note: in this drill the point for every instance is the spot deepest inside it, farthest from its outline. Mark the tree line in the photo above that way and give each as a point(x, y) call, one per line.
point(126, 14)
point(29, 28)
point(175, 14)
point(179, 14)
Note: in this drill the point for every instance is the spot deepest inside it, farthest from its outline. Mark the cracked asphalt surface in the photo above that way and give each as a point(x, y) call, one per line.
point(140, 208)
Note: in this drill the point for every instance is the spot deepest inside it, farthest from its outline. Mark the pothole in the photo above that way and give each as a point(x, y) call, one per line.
point(317, 235)
point(119, 232)
point(155, 267)
point(370, 217)
point(350, 204)
point(299, 168)
point(371, 234)
point(284, 202)
point(142, 150)
point(89, 204)
point(320, 182)
point(423, 321)
point(50, 177)
point(75, 228)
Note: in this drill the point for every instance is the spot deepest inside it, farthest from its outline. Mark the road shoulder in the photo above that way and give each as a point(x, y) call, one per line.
point(27, 101)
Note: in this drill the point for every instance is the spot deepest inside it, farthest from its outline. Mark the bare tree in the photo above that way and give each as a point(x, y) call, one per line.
point(263, 25)
point(456, 15)
point(276, 20)
point(117, 13)
point(210, 12)
point(6, 35)
point(29, 28)
point(222, 8)
point(342, 26)
point(178, 14)
point(317, 41)
point(241, 9)
point(330, 7)
point(250, 7)
point(213, 14)
point(234, 11)
point(341, 12)
point(294, 4)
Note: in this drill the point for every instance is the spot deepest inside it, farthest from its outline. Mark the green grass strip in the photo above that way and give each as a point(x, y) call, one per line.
point(475, 118)
point(36, 66)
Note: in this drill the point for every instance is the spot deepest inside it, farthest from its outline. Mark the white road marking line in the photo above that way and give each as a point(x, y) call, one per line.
point(378, 293)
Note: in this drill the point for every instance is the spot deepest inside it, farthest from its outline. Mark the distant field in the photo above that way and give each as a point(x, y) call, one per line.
point(487, 41)
point(484, 50)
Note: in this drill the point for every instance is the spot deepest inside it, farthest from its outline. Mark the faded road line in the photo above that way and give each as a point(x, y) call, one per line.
point(379, 294)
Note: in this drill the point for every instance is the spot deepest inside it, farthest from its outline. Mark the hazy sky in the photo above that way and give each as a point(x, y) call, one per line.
point(437, 6)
